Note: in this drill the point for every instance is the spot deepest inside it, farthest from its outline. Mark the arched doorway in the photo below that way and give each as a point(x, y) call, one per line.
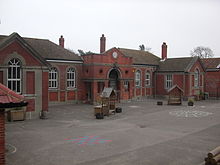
point(114, 79)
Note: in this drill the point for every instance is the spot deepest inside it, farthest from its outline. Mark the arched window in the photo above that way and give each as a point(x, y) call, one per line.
point(53, 78)
point(138, 78)
point(196, 78)
point(14, 75)
point(71, 78)
point(147, 79)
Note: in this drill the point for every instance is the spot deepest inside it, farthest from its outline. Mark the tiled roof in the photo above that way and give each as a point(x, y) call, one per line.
point(47, 49)
point(140, 57)
point(50, 50)
point(107, 92)
point(211, 63)
point(9, 98)
point(177, 64)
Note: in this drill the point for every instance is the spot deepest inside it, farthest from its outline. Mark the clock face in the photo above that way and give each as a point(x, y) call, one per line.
point(114, 54)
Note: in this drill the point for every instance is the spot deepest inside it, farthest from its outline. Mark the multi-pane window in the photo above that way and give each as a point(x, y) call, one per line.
point(71, 78)
point(14, 75)
point(169, 81)
point(138, 78)
point(196, 78)
point(126, 85)
point(147, 79)
point(53, 78)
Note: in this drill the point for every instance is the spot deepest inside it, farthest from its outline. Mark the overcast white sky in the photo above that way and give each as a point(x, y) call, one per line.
point(182, 24)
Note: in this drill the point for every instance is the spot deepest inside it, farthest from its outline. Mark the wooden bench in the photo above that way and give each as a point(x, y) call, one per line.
point(174, 101)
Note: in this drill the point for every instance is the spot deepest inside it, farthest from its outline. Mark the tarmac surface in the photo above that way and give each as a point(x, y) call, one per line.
point(143, 134)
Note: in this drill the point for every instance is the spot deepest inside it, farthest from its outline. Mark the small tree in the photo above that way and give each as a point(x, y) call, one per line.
point(202, 52)
point(81, 52)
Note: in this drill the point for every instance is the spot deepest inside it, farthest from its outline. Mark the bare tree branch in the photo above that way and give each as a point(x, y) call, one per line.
point(202, 52)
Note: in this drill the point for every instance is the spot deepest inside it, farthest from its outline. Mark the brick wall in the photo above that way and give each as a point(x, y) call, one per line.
point(30, 81)
point(31, 105)
point(1, 77)
point(212, 83)
point(2, 137)
point(16, 47)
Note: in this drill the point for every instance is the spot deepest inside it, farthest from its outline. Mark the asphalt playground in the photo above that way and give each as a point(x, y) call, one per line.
point(143, 134)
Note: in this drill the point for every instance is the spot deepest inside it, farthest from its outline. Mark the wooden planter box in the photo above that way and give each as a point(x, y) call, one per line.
point(16, 115)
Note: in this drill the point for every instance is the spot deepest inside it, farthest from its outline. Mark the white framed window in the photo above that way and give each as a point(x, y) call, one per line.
point(14, 75)
point(147, 79)
point(126, 85)
point(53, 78)
point(138, 78)
point(71, 78)
point(196, 78)
point(169, 81)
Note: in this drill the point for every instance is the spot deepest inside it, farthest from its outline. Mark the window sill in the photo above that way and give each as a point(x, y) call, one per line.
point(71, 89)
point(149, 86)
point(53, 89)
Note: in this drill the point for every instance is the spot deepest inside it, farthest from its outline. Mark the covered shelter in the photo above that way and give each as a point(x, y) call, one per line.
point(175, 95)
point(8, 99)
point(108, 99)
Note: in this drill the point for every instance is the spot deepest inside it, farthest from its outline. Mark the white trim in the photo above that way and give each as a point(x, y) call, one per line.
point(65, 61)
point(147, 80)
point(138, 79)
point(17, 66)
point(53, 77)
point(168, 82)
point(118, 70)
point(69, 72)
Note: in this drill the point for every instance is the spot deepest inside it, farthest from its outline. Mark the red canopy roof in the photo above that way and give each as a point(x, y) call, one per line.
point(8, 96)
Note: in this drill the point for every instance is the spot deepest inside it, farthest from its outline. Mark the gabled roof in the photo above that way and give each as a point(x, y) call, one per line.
point(140, 56)
point(46, 49)
point(177, 64)
point(5, 40)
point(107, 92)
point(9, 98)
point(50, 50)
point(211, 63)
point(173, 87)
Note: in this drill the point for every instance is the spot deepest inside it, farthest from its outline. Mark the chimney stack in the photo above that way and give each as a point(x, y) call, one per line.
point(164, 51)
point(102, 44)
point(61, 41)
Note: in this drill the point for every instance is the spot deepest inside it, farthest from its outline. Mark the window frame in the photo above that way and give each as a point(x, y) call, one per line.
point(169, 81)
point(147, 79)
point(71, 79)
point(53, 78)
point(126, 85)
point(138, 80)
point(14, 67)
point(196, 78)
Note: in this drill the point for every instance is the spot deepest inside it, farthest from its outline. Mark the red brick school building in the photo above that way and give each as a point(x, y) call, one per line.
point(46, 73)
